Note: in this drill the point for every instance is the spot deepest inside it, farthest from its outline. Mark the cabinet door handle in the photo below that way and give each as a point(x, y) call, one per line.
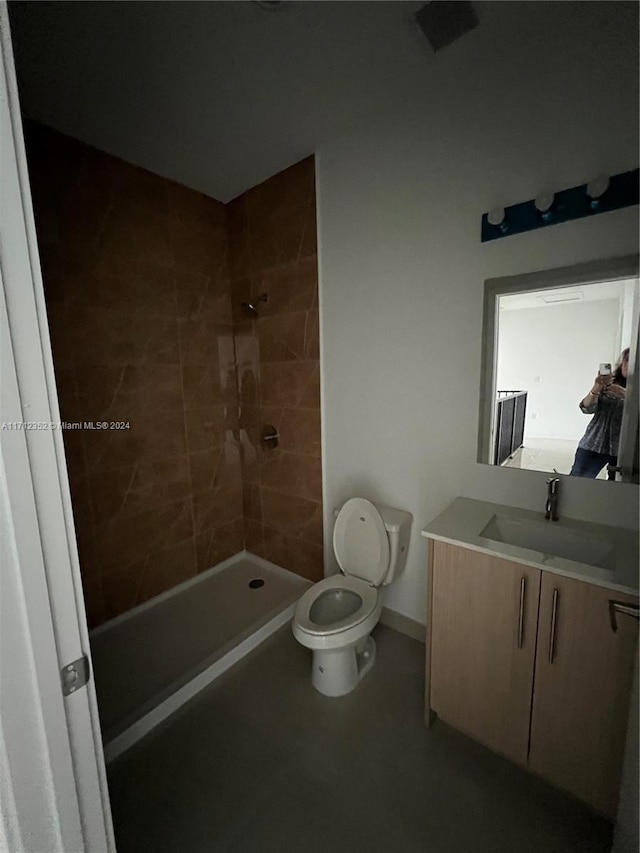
point(523, 589)
point(621, 607)
point(554, 616)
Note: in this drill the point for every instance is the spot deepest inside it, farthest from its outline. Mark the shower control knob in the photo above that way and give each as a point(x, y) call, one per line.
point(270, 436)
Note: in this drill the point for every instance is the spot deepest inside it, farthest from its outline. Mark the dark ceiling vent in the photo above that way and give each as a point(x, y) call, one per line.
point(444, 21)
point(270, 5)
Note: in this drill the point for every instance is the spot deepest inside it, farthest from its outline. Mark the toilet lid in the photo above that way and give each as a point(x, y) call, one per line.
point(360, 541)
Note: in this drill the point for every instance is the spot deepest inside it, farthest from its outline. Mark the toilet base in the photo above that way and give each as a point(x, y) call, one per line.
point(335, 672)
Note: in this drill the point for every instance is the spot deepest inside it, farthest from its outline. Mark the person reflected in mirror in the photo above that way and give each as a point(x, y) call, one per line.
point(605, 401)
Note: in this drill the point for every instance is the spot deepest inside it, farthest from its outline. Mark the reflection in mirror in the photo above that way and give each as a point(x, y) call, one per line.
point(560, 396)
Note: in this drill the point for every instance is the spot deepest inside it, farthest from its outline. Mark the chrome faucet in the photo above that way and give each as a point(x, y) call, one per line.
point(551, 506)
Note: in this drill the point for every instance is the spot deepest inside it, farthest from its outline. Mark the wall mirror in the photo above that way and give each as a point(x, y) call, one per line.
point(547, 338)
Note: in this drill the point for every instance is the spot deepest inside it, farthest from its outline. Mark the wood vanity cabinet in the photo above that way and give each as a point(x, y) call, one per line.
point(527, 662)
point(483, 639)
point(582, 688)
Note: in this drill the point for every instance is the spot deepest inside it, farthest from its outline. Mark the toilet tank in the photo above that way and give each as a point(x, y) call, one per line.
point(398, 525)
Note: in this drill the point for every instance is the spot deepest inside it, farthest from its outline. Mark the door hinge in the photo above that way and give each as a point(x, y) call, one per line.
point(75, 675)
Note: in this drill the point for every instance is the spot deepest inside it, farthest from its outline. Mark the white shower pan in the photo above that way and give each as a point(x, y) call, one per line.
point(154, 658)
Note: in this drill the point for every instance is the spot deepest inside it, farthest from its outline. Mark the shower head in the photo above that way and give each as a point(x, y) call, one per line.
point(250, 308)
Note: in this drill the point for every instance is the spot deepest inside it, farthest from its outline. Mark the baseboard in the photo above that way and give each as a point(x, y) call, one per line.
point(403, 624)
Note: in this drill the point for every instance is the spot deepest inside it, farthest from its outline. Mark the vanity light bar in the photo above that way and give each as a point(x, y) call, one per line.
point(598, 196)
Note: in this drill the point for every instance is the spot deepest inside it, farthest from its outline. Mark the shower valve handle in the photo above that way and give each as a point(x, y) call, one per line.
point(270, 435)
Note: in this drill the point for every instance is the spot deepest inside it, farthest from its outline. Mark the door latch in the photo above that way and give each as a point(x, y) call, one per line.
point(74, 675)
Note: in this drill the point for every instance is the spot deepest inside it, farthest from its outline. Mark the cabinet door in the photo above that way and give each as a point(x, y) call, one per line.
point(582, 689)
point(483, 638)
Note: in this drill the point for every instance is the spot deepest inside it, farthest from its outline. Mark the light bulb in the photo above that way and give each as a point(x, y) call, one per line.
point(544, 202)
point(598, 187)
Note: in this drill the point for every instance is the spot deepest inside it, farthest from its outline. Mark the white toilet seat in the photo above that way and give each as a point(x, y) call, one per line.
point(360, 541)
point(368, 595)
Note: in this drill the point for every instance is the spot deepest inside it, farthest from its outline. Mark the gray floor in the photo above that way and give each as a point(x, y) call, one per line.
point(140, 660)
point(260, 761)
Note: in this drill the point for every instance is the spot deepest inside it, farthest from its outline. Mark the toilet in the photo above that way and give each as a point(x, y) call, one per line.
point(336, 616)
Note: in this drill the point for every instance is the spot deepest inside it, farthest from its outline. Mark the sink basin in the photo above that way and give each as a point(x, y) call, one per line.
point(549, 539)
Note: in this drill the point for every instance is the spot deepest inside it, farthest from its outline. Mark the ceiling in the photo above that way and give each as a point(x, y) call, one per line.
point(221, 95)
point(216, 95)
point(545, 298)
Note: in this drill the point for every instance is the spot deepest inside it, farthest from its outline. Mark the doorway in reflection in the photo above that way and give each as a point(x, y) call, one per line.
point(550, 346)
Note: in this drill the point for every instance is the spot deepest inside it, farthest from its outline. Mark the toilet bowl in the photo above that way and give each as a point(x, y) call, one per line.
point(336, 616)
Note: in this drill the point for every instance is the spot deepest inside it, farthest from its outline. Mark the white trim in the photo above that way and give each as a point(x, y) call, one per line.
point(46, 564)
point(329, 566)
point(10, 830)
point(157, 715)
point(38, 804)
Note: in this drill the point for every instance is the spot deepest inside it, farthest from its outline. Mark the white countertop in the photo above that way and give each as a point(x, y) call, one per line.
point(464, 519)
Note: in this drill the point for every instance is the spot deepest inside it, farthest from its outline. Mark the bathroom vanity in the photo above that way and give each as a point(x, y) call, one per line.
point(531, 640)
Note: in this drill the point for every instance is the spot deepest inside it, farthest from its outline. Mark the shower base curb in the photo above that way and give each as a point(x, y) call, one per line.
point(165, 708)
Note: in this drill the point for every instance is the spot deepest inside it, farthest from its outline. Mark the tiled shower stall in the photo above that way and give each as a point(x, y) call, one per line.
point(144, 282)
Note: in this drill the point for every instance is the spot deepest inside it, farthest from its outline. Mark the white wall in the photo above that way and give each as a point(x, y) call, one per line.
point(545, 100)
point(553, 353)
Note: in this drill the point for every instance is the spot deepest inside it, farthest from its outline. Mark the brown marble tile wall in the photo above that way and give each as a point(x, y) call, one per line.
point(136, 274)
point(273, 251)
